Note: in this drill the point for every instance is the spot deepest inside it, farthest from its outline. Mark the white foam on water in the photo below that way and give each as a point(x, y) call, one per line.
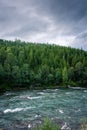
point(23, 96)
point(31, 98)
point(61, 111)
point(41, 93)
point(27, 108)
point(69, 117)
point(68, 93)
point(56, 90)
point(29, 126)
point(13, 110)
point(17, 110)
point(37, 116)
point(65, 127)
point(85, 91)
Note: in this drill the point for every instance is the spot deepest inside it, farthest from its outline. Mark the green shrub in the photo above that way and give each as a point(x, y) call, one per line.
point(84, 126)
point(48, 125)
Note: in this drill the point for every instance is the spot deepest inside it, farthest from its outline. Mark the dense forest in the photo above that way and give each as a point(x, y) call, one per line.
point(33, 65)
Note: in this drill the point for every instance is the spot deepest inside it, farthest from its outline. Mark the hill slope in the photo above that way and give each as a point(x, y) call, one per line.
point(26, 64)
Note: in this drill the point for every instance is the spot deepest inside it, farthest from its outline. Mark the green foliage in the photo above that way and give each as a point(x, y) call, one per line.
point(48, 125)
point(65, 75)
point(39, 65)
point(84, 126)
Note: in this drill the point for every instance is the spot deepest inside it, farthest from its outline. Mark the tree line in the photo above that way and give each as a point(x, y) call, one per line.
point(33, 65)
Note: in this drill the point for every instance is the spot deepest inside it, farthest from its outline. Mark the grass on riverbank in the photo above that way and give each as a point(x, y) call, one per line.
point(48, 125)
point(84, 126)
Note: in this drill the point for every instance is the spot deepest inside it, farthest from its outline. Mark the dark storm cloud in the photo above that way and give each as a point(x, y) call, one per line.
point(54, 21)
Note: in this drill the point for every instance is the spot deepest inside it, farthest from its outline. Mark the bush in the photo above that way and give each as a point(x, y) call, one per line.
point(48, 125)
point(84, 126)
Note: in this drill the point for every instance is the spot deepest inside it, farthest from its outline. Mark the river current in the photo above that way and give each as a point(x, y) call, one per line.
point(24, 109)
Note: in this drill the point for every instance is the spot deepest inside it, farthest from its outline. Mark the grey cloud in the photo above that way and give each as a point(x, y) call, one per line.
point(80, 41)
point(44, 20)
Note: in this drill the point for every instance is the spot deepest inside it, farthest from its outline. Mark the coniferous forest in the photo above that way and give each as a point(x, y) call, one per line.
point(32, 65)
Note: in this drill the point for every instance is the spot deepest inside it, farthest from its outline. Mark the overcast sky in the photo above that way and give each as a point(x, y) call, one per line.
point(62, 22)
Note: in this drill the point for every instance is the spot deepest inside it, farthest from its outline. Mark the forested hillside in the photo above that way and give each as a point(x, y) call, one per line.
point(41, 65)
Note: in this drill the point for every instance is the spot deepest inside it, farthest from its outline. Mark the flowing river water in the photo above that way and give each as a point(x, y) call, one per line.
point(24, 109)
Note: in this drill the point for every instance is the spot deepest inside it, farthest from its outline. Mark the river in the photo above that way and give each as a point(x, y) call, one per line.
point(24, 109)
